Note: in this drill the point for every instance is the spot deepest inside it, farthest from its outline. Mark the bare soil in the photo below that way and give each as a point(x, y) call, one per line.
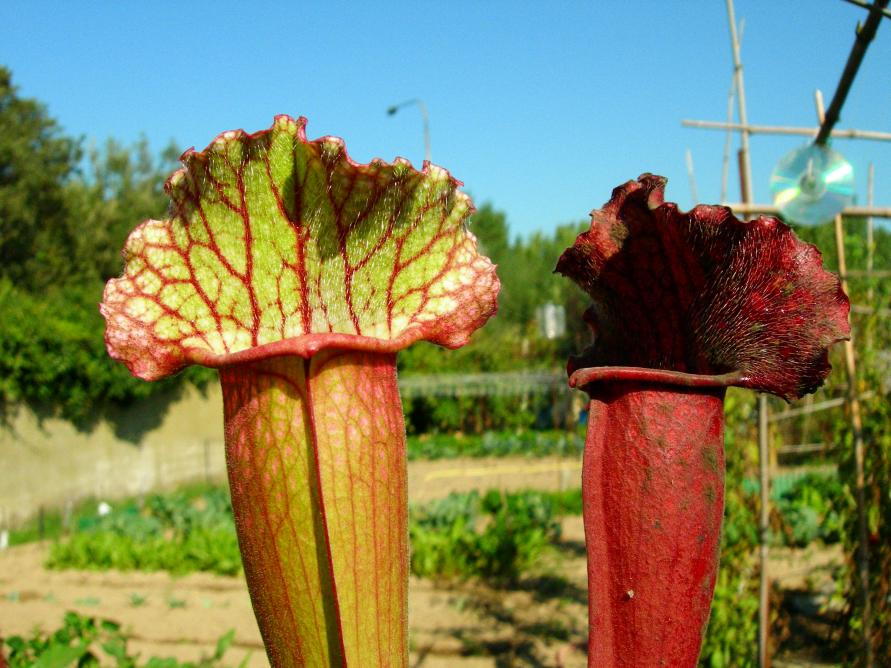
point(540, 622)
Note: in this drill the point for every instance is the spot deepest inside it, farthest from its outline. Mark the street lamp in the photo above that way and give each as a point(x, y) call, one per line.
point(424, 116)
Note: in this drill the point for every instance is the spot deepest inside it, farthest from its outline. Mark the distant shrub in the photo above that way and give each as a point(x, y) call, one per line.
point(52, 355)
point(556, 443)
point(177, 532)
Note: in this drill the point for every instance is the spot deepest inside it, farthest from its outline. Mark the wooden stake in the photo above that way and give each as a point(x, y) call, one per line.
point(870, 240)
point(763, 532)
point(745, 176)
point(859, 461)
point(691, 176)
point(785, 130)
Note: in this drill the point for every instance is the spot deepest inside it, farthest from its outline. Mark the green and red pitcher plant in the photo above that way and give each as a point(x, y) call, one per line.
point(300, 274)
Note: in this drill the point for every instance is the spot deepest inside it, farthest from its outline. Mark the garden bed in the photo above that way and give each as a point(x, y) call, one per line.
point(532, 622)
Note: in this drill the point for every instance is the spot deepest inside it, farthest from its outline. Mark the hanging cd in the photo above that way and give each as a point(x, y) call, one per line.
point(812, 184)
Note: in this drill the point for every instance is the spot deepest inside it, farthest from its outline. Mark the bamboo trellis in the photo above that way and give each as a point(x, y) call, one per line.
point(877, 10)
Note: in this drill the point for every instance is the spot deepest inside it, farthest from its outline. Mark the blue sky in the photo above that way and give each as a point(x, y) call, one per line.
point(540, 108)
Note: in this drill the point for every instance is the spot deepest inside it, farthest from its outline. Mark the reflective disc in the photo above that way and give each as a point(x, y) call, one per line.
point(812, 184)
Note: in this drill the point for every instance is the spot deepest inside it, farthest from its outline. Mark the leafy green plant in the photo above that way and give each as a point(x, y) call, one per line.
point(731, 637)
point(809, 507)
point(525, 443)
point(495, 537)
point(178, 532)
point(78, 641)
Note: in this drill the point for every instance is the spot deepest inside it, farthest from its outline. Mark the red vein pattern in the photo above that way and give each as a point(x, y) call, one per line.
point(326, 562)
point(705, 293)
point(300, 273)
point(275, 240)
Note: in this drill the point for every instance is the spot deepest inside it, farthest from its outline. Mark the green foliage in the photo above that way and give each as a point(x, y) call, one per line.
point(495, 537)
point(52, 355)
point(499, 346)
point(78, 641)
point(492, 232)
point(732, 640)
point(731, 637)
point(872, 337)
point(473, 415)
point(528, 278)
point(179, 532)
point(809, 507)
point(36, 162)
point(877, 497)
point(497, 444)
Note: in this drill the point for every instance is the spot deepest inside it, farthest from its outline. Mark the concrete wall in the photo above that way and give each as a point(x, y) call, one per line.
point(169, 440)
point(160, 443)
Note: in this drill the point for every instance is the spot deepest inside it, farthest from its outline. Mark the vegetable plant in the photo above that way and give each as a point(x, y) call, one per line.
point(496, 537)
point(685, 305)
point(299, 274)
point(78, 640)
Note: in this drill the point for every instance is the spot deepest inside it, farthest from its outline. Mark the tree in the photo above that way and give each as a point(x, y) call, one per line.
point(490, 227)
point(536, 257)
point(36, 162)
point(124, 186)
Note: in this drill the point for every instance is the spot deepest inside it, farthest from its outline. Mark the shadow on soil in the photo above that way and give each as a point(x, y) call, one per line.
point(530, 623)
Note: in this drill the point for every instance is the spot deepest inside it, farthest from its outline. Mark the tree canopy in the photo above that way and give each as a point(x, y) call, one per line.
point(36, 164)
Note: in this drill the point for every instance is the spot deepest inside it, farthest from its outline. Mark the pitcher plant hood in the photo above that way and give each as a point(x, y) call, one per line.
point(278, 245)
point(704, 293)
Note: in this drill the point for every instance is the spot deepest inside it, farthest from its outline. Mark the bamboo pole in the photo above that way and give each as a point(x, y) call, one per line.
point(869, 273)
point(859, 462)
point(741, 104)
point(728, 137)
point(816, 407)
point(786, 130)
point(864, 36)
point(691, 176)
point(745, 209)
point(866, 5)
point(745, 175)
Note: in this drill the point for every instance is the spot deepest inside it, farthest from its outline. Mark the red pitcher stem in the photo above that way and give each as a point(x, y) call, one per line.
point(316, 456)
point(653, 501)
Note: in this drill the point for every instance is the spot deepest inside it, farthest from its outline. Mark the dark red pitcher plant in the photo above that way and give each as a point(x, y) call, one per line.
point(684, 305)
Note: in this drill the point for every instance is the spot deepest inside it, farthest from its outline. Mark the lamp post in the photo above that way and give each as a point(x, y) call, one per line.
point(425, 117)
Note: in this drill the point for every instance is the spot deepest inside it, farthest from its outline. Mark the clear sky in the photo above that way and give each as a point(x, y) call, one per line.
point(541, 108)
